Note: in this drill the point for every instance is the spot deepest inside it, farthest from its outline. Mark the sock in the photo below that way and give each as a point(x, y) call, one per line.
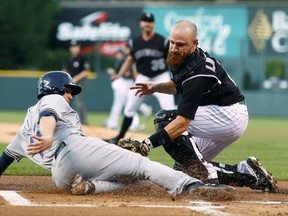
point(125, 126)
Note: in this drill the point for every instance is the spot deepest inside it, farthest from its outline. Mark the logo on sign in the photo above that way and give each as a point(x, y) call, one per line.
point(262, 30)
point(94, 27)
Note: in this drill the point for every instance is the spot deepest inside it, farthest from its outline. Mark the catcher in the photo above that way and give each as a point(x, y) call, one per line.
point(188, 158)
point(211, 114)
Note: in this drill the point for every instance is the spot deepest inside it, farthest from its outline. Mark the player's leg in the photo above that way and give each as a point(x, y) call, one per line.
point(215, 127)
point(120, 87)
point(112, 163)
point(131, 107)
point(136, 124)
point(248, 173)
point(184, 151)
point(146, 110)
point(81, 186)
point(212, 141)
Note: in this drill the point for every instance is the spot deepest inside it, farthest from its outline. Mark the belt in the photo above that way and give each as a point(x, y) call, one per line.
point(243, 102)
point(59, 149)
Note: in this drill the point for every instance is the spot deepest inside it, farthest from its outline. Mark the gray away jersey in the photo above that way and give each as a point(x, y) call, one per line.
point(68, 123)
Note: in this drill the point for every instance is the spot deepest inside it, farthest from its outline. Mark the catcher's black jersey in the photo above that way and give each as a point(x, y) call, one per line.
point(74, 65)
point(201, 81)
point(150, 55)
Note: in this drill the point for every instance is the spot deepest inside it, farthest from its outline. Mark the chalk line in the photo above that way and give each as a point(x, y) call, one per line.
point(13, 198)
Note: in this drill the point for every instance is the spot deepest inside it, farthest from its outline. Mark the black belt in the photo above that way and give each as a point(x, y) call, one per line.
point(243, 102)
point(59, 149)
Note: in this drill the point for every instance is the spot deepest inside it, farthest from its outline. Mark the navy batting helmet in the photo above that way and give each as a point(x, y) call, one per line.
point(54, 82)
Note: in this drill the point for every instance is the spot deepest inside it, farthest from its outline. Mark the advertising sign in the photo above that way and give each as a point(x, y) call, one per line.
point(104, 28)
point(221, 30)
point(268, 30)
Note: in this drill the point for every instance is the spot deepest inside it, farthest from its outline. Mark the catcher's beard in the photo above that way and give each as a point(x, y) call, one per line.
point(174, 60)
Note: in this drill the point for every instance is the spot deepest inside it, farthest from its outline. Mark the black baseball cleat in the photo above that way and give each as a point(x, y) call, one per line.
point(265, 180)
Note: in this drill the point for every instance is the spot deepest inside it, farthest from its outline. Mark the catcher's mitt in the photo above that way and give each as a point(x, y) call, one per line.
point(134, 146)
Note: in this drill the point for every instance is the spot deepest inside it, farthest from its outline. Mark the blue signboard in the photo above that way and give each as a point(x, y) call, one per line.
point(221, 30)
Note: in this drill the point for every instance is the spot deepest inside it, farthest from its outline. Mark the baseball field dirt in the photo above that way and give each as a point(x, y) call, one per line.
point(37, 195)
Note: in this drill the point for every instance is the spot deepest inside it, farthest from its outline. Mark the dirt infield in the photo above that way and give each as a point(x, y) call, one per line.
point(38, 196)
point(34, 195)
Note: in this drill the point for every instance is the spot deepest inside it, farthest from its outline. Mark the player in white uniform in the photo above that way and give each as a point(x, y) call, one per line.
point(211, 108)
point(148, 52)
point(51, 136)
point(120, 89)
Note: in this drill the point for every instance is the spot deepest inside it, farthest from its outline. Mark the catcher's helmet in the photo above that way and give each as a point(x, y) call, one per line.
point(54, 82)
point(163, 118)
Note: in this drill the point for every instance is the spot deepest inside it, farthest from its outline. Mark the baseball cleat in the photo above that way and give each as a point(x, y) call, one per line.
point(81, 187)
point(265, 180)
point(212, 191)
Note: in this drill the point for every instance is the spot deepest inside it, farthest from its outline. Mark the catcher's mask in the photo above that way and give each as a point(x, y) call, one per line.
point(163, 118)
point(54, 82)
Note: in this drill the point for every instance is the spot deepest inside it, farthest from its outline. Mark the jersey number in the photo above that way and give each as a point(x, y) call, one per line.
point(158, 64)
point(212, 67)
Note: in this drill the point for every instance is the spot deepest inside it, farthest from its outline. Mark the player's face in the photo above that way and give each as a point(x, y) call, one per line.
point(181, 46)
point(68, 95)
point(75, 50)
point(146, 27)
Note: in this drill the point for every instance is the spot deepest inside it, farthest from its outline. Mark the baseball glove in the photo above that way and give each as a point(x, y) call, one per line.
point(134, 146)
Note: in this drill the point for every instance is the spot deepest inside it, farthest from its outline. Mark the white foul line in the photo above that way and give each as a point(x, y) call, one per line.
point(14, 198)
point(207, 208)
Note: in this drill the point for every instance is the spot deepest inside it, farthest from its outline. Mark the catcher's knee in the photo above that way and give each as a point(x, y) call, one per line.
point(163, 118)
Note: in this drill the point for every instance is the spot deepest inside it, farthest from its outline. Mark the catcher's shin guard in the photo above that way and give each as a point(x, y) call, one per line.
point(182, 149)
point(185, 153)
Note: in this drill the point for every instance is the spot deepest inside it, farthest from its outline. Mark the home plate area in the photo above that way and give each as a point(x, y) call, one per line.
point(36, 195)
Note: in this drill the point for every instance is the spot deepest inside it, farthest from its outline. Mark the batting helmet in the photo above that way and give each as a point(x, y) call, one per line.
point(54, 82)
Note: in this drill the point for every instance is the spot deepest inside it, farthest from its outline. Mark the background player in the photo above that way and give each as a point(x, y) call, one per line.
point(148, 51)
point(120, 89)
point(52, 137)
point(211, 108)
point(78, 67)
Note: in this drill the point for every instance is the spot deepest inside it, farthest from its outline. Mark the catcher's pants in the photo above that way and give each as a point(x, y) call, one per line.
point(216, 127)
point(95, 159)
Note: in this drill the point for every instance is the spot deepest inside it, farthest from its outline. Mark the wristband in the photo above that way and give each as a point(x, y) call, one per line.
point(148, 143)
point(158, 138)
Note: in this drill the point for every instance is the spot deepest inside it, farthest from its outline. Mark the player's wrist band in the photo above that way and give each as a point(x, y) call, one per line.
point(159, 138)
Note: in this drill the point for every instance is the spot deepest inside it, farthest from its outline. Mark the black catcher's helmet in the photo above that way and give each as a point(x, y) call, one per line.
point(54, 82)
point(163, 118)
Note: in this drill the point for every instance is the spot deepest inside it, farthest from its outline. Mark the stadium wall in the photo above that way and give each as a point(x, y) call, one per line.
point(242, 36)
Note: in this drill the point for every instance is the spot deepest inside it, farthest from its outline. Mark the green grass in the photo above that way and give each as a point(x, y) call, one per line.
point(265, 138)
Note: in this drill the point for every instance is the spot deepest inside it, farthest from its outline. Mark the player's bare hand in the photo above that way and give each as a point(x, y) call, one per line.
point(143, 89)
point(40, 145)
